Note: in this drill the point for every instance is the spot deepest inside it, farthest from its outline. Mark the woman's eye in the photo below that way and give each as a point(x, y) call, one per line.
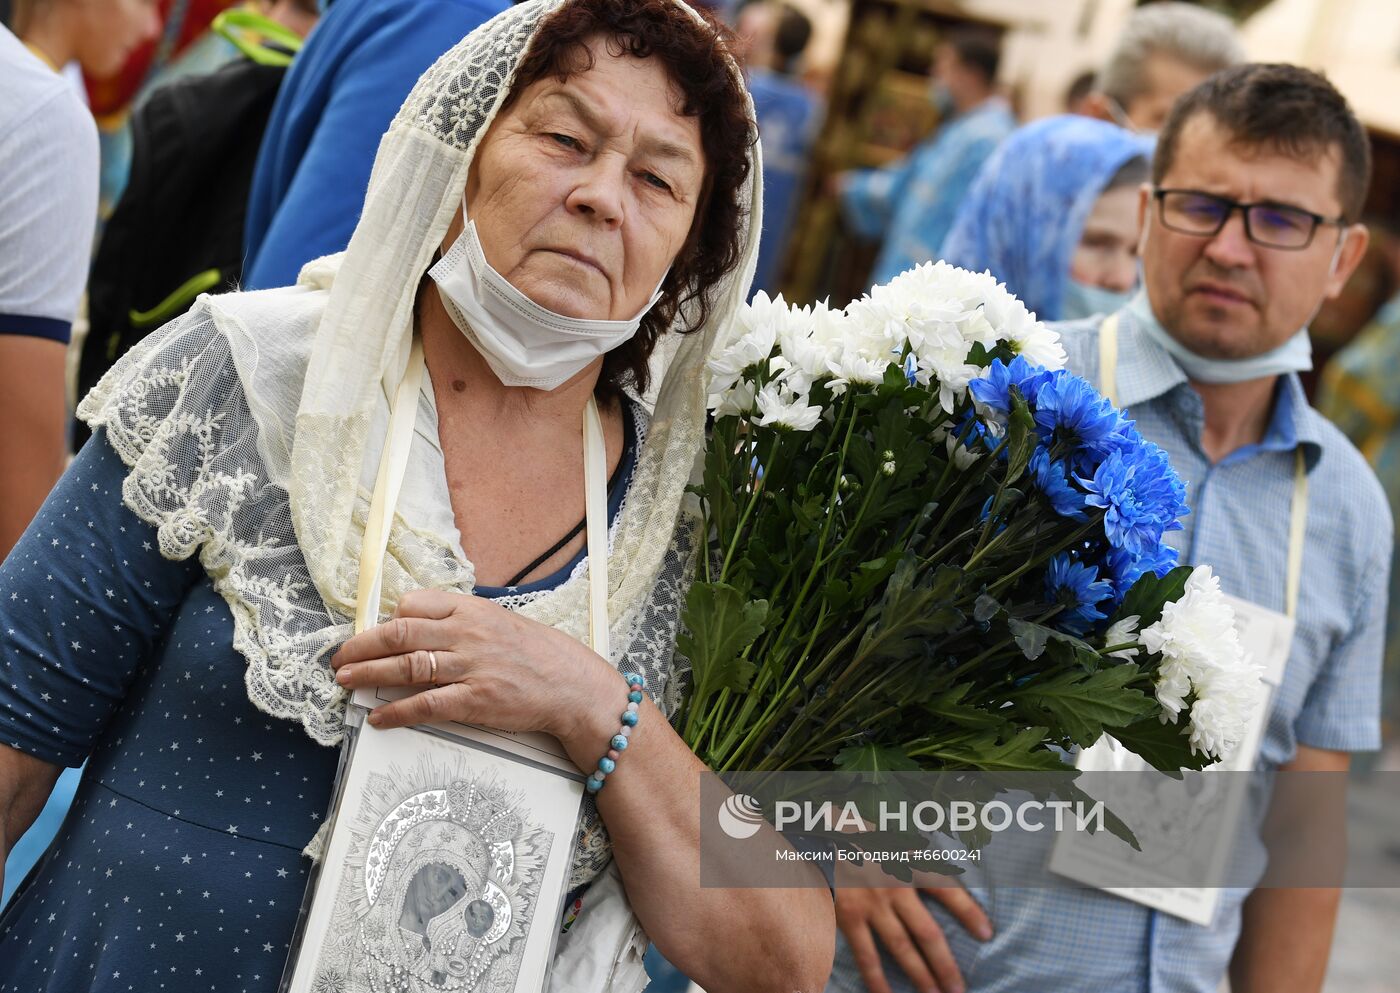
point(653, 180)
point(566, 141)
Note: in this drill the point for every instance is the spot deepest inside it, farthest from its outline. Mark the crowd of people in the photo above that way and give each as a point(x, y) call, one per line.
point(559, 201)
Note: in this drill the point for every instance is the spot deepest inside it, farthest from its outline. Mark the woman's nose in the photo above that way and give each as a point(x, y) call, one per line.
point(599, 192)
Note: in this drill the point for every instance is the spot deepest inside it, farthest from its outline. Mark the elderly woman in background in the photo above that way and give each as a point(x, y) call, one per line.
point(569, 183)
point(1054, 215)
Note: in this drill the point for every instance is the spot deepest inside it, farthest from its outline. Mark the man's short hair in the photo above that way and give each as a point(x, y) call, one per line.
point(1281, 108)
point(1182, 32)
point(977, 47)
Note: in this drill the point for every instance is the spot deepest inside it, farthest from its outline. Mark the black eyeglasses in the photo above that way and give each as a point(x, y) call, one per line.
point(1269, 224)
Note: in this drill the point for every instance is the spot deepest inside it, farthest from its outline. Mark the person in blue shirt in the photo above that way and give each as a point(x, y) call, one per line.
point(335, 104)
point(1249, 224)
point(788, 117)
point(909, 206)
point(1054, 215)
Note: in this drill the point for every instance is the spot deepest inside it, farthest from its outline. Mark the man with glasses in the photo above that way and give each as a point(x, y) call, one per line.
point(1249, 224)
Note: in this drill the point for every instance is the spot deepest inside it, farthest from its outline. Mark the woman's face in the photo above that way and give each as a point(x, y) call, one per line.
point(1106, 255)
point(106, 32)
point(583, 191)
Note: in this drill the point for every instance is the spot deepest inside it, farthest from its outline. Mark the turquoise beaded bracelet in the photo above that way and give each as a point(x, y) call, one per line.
point(606, 764)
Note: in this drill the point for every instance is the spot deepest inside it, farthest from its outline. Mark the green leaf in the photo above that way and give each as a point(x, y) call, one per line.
point(1021, 438)
point(945, 581)
point(1115, 824)
point(875, 759)
point(836, 593)
point(1081, 705)
point(860, 455)
point(1166, 746)
point(1030, 638)
point(719, 624)
point(1020, 752)
point(870, 575)
point(950, 707)
point(985, 608)
point(1149, 594)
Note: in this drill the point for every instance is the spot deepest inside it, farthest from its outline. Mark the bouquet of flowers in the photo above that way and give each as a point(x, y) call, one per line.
point(928, 546)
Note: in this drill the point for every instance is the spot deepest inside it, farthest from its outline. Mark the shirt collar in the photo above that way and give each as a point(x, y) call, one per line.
point(1147, 371)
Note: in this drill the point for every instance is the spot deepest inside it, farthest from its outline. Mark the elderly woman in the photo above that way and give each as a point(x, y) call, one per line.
point(566, 185)
point(1054, 215)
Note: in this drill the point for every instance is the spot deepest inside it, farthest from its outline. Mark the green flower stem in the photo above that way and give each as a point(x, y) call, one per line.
point(934, 747)
point(1016, 573)
point(755, 692)
point(748, 509)
point(780, 698)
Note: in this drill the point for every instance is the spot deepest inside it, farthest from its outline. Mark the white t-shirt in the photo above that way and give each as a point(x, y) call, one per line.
point(48, 196)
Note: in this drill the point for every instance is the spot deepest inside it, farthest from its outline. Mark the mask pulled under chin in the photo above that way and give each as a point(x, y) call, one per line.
point(1294, 355)
point(524, 343)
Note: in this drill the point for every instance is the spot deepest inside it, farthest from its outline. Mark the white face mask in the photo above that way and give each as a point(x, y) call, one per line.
point(1294, 355)
point(525, 344)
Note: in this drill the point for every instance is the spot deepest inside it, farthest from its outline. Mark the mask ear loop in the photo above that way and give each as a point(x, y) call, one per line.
point(1337, 252)
point(1331, 271)
point(651, 301)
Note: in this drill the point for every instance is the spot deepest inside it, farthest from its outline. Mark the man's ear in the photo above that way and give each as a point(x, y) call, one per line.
point(1144, 215)
point(1096, 105)
point(1353, 249)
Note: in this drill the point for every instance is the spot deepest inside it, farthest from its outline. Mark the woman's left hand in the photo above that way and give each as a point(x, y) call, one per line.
point(493, 667)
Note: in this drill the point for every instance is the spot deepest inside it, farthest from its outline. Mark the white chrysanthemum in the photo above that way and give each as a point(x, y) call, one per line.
point(1201, 659)
point(755, 335)
point(1121, 633)
point(809, 340)
point(1040, 346)
point(962, 458)
point(780, 407)
point(738, 399)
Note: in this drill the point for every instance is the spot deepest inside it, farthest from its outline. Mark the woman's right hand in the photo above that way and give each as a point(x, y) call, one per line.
point(25, 785)
point(908, 931)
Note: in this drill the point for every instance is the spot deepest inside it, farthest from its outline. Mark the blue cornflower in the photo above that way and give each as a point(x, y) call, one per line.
point(1069, 410)
point(1078, 588)
point(1124, 568)
point(978, 438)
point(1141, 495)
point(1051, 479)
point(993, 390)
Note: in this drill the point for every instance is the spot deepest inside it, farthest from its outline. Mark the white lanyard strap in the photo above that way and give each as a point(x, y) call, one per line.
point(1297, 527)
point(394, 463)
point(1298, 516)
point(1108, 359)
point(595, 484)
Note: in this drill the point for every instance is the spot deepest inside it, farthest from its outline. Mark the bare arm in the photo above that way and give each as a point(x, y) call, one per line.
point(31, 446)
point(25, 784)
point(1286, 936)
point(499, 668)
point(741, 940)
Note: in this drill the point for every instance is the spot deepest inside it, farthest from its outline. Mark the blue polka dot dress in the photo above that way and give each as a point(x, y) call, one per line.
point(179, 865)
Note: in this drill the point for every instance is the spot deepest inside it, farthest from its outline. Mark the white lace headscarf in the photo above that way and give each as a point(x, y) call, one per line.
point(414, 193)
point(253, 424)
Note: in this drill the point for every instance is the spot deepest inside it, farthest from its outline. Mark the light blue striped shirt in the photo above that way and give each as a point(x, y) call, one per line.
point(1075, 939)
